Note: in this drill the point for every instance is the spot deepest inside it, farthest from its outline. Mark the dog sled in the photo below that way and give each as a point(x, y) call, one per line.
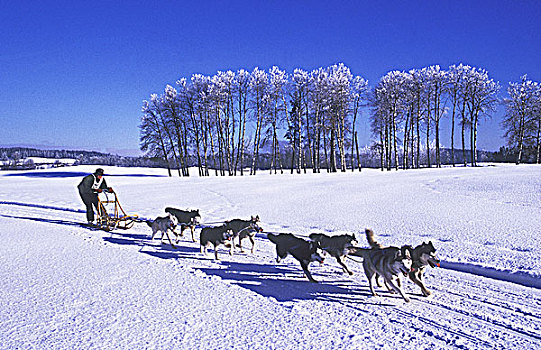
point(111, 215)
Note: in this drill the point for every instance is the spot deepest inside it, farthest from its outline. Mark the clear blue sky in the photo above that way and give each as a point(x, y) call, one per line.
point(74, 73)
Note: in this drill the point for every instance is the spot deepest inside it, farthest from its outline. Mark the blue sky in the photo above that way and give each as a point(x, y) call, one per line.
point(73, 74)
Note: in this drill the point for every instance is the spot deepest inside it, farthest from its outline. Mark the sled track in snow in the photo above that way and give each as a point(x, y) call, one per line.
point(518, 277)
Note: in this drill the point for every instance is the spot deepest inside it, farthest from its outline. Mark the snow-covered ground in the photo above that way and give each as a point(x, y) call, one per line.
point(64, 286)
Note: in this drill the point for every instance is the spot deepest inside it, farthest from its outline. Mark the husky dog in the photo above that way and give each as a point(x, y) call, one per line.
point(163, 225)
point(244, 229)
point(421, 256)
point(304, 251)
point(215, 236)
point(336, 246)
point(387, 262)
point(185, 219)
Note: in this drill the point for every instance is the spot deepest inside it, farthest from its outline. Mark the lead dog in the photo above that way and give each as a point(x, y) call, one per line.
point(163, 225)
point(387, 262)
point(336, 246)
point(304, 251)
point(185, 219)
point(244, 229)
point(422, 256)
point(215, 236)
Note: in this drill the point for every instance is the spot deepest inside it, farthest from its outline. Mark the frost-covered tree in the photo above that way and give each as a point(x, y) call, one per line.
point(359, 89)
point(259, 85)
point(152, 140)
point(278, 85)
point(522, 123)
point(481, 98)
point(241, 85)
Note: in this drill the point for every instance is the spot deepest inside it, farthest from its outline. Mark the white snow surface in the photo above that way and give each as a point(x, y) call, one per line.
point(65, 286)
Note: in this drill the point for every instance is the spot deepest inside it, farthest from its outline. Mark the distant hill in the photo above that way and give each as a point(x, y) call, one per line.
point(18, 158)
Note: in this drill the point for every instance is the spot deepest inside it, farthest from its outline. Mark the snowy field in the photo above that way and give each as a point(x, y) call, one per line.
point(65, 286)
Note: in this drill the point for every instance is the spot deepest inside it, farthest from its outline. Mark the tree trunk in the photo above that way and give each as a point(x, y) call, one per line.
point(538, 138)
point(358, 155)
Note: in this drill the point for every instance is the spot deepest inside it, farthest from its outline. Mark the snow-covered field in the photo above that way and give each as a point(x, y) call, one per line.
point(64, 286)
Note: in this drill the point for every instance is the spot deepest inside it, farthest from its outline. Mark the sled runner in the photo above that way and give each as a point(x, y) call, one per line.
point(111, 215)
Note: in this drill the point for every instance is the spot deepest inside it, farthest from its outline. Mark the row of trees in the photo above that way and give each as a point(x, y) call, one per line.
point(522, 122)
point(204, 120)
point(410, 105)
point(315, 112)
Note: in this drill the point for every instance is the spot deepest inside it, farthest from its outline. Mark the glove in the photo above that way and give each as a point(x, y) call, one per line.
point(110, 189)
point(99, 190)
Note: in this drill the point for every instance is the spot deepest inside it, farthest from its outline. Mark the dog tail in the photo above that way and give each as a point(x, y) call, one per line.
point(360, 252)
point(371, 240)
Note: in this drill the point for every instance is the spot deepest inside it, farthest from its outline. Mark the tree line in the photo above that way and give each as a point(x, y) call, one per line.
point(307, 120)
point(208, 117)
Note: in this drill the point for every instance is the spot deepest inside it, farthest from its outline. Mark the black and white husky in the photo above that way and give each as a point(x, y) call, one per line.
point(389, 262)
point(422, 256)
point(185, 219)
point(337, 246)
point(302, 250)
point(244, 229)
point(215, 236)
point(163, 225)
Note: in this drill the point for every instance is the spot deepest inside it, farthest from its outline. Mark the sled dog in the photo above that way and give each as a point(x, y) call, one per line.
point(304, 251)
point(215, 236)
point(422, 256)
point(387, 262)
point(336, 246)
point(185, 219)
point(163, 225)
point(244, 229)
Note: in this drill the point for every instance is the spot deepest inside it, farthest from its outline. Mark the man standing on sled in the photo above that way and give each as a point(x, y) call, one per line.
point(89, 188)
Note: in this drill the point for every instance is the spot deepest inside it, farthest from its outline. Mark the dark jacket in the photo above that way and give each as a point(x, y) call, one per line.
point(85, 187)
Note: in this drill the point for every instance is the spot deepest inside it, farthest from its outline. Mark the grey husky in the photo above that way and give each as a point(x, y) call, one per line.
point(215, 236)
point(422, 256)
point(304, 251)
point(336, 246)
point(387, 262)
point(185, 219)
point(244, 229)
point(163, 225)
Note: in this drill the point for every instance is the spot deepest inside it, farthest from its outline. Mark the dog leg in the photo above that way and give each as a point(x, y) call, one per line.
point(370, 274)
point(169, 239)
point(417, 280)
point(397, 289)
point(216, 253)
point(307, 273)
point(193, 228)
point(253, 243)
point(176, 235)
point(378, 282)
point(371, 284)
point(341, 262)
point(240, 245)
point(182, 228)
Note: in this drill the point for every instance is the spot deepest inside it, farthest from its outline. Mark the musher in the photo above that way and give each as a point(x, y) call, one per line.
point(89, 188)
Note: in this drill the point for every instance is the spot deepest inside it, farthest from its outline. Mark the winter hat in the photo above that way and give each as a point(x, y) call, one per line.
point(99, 172)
